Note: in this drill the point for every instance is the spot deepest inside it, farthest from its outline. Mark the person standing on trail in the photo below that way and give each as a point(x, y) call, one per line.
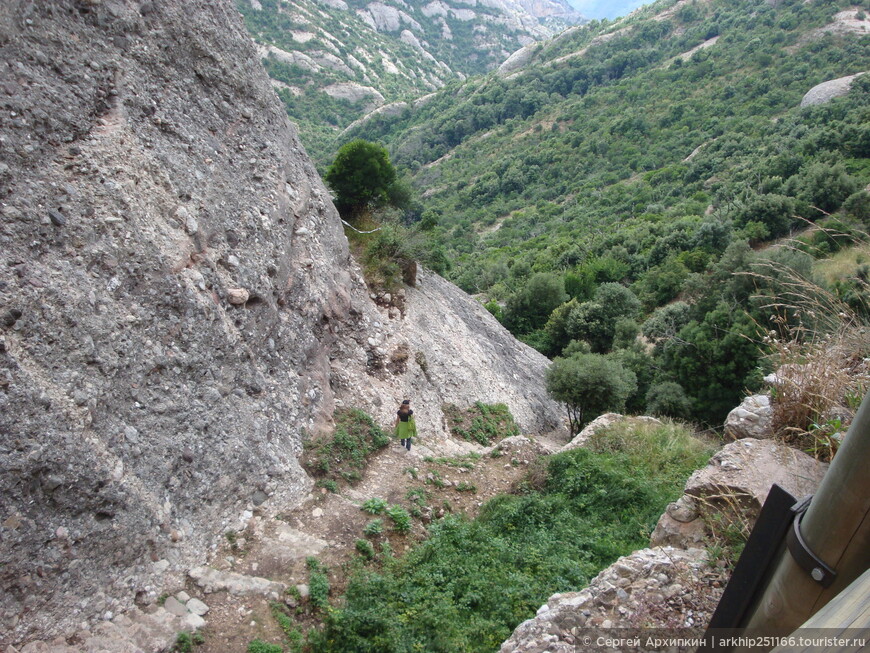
point(405, 426)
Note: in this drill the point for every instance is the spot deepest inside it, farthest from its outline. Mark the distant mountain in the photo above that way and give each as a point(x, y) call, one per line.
point(333, 61)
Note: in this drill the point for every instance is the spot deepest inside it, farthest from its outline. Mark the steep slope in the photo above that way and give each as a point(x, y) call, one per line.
point(332, 62)
point(660, 152)
point(174, 283)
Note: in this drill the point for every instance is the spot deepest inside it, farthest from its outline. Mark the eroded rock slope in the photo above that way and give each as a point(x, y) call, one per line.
point(176, 299)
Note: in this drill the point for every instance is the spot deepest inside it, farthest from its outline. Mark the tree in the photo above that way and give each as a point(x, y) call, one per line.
point(529, 308)
point(668, 399)
point(361, 176)
point(595, 321)
point(588, 385)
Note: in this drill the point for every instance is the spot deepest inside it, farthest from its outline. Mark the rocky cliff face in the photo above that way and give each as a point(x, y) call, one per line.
point(176, 302)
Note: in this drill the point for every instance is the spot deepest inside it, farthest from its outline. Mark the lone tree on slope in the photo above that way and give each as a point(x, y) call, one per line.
point(361, 177)
point(589, 385)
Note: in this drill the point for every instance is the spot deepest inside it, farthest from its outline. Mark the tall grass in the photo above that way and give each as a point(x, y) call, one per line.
point(819, 347)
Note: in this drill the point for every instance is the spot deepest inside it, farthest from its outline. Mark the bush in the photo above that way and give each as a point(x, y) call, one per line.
point(259, 646)
point(401, 519)
point(365, 548)
point(343, 454)
point(374, 506)
point(588, 385)
point(360, 176)
point(374, 527)
point(318, 584)
point(481, 423)
point(668, 398)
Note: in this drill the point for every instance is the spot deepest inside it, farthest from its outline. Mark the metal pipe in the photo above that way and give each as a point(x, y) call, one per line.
point(836, 527)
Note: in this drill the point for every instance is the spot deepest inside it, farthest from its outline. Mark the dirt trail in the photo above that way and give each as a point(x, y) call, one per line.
point(455, 476)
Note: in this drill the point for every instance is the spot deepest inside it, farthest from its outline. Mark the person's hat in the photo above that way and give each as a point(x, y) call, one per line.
point(407, 401)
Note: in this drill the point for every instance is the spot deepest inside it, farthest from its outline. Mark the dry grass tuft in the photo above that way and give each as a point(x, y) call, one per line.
point(820, 349)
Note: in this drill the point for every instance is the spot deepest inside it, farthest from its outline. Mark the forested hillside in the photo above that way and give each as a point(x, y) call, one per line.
point(631, 177)
point(334, 61)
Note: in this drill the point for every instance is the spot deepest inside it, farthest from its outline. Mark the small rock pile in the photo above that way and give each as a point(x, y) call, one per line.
point(662, 588)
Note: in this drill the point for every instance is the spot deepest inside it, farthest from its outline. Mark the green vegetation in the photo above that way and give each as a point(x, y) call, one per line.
point(472, 582)
point(481, 423)
point(374, 527)
point(343, 455)
point(293, 635)
point(259, 646)
point(401, 518)
point(361, 176)
point(365, 549)
point(185, 642)
point(318, 584)
point(589, 384)
point(587, 194)
point(374, 506)
point(336, 45)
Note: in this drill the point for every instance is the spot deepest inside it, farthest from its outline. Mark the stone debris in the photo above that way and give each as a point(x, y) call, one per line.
point(753, 418)
point(213, 580)
point(673, 588)
point(237, 296)
point(149, 630)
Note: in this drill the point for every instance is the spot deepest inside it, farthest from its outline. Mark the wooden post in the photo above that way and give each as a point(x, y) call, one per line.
point(836, 527)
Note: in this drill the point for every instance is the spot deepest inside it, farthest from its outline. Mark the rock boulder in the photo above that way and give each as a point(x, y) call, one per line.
point(735, 484)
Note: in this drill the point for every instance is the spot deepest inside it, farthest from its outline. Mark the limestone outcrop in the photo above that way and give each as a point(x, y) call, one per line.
point(753, 418)
point(827, 91)
point(179, 308)
point(603, 422)
point(734, 485)
point(674, 588)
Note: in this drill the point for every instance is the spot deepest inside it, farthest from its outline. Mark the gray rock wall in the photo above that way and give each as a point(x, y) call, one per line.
point(148, 172)
point(178, 308)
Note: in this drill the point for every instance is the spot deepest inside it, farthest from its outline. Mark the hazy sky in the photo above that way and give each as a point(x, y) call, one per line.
point(606, 8)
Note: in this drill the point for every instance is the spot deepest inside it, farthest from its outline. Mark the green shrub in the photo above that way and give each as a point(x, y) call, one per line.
point(374, 527)
point(401, 518)
point(185, 642)
point(343, 454)
point(365, 548)
point(469, 585)
point(329, 484)
point(374, 506)
point(292, 633)
point(481, 423)
point(259, 646)
point(318, 584)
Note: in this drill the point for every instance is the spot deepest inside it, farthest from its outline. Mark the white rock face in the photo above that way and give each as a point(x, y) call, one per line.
point(407, 36)
point(436, 8)
point(330, 61)
point(335, 4)
point(517, 61)
point(827, 91)
point(753, 418)
point(212, 580)
point(128, 357)
point(463, 14)
point(386, 18)
point(290, 58)
point(353, 92)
